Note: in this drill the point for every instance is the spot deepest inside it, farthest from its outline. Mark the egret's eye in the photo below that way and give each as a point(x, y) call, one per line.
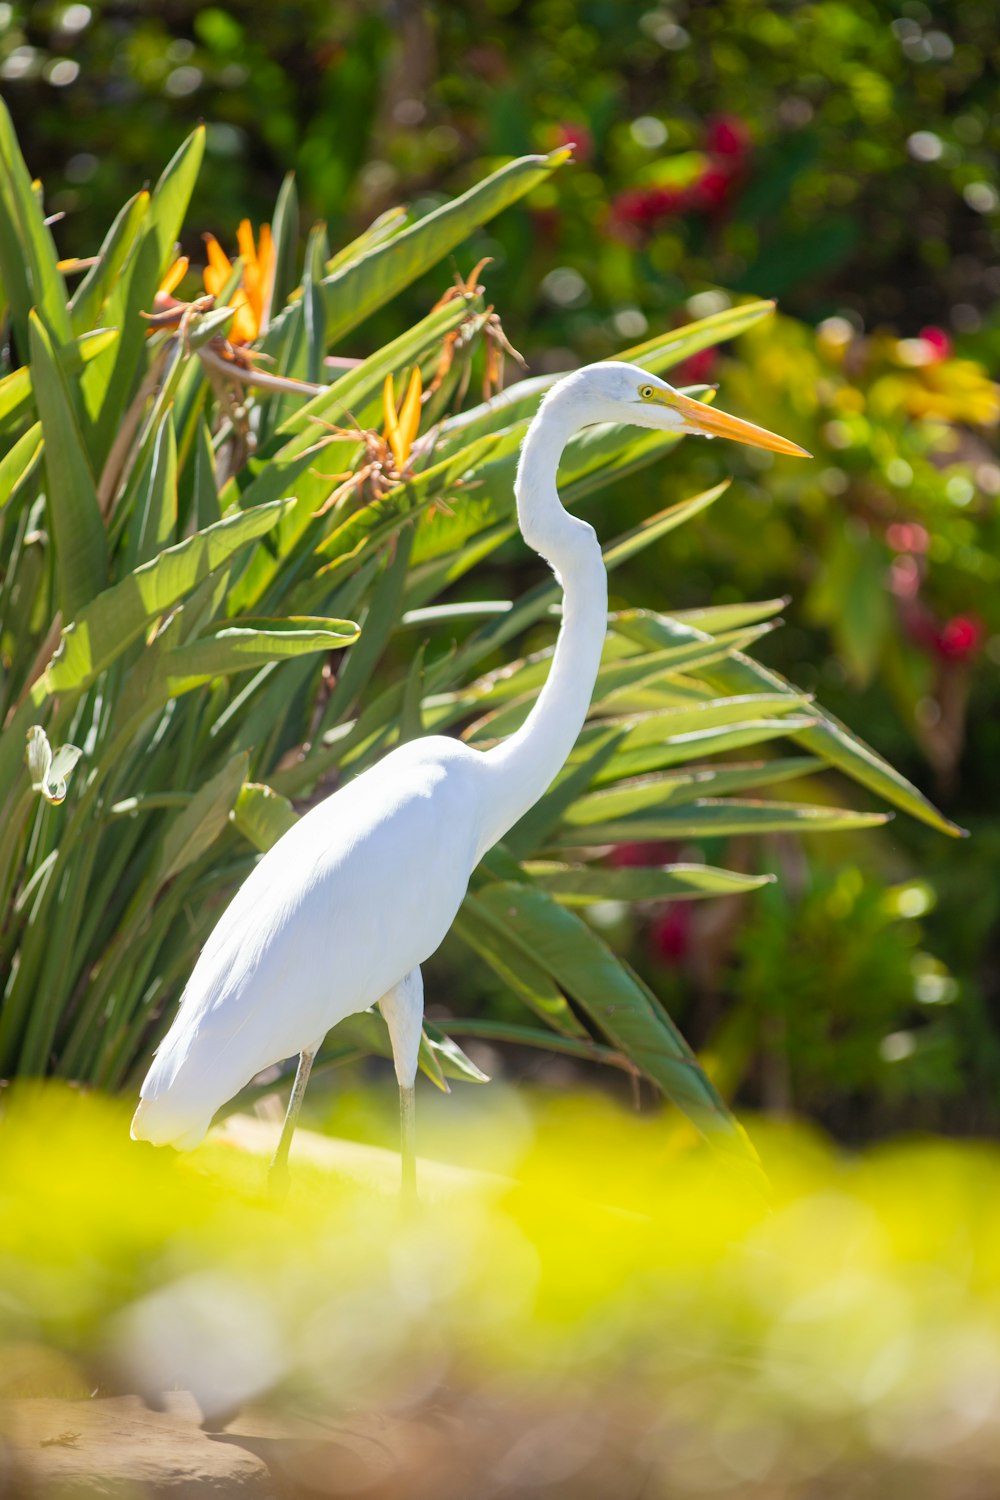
point(646, 392)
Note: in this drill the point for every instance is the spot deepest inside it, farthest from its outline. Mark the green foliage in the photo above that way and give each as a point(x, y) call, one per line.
point(838, 966)
point(180, 576)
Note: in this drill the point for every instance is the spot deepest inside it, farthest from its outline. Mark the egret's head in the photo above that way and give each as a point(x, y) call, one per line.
point(618, 392)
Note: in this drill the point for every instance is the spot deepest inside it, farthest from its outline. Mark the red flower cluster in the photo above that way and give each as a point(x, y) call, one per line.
point(939, 342)
point(959, 638)
point(670, 935)
point(637, 211)
point(697, 369)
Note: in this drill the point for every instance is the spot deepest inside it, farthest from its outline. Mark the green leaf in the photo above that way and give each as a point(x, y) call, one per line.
point(479, 926)
point(664, 351)
point(381, 229)
point(354, 291)
point(709, 818)
point(240, 649)
point(262, 815)
point(19, 462)
point(17, 392)
point(613, 997)
point(285, 237)
point(658, 755)
point(199, 824)
point(828, 738)
point(302, 456)
point(533, 828)
point(204, 485)
point(377, 625)
point(171, 197)
point(720, 617)
point(152, 501)
point(710, 713)
point(94, 290)
point(573, 885)
point(28, 259)
point(745, 776)
point(115, 618)
point(823, 735)
point(77, 526)
point(449, 1056)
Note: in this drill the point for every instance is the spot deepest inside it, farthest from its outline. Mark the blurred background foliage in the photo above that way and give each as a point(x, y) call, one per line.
point(552, 1327)
point(841, 156)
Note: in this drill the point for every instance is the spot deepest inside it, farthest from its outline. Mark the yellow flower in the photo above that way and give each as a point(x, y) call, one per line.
point(401, 427)
point(252, 297)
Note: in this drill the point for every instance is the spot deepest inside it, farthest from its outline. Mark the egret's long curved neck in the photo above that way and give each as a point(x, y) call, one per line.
point(522, 768)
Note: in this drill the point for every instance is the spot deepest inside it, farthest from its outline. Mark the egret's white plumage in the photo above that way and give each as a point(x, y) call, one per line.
point(341, 912)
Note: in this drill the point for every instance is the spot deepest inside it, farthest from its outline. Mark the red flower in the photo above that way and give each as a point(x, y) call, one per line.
point(670, 934)
point(939, 341)
point(728, 136)
point(642, 208)
point(697, 368)
point(630, 855)
point(959, 638)
point(712, 188)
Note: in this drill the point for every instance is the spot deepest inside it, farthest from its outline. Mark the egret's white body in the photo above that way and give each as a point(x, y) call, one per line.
point(342, 911)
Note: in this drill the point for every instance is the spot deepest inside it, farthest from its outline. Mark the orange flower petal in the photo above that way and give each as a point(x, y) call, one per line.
point(175, 275)
point(219, 268)
point(244, 325)
point(266, 261)
point(244, 238)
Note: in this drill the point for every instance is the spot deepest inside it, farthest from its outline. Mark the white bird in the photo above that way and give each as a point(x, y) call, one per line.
point(339, 915)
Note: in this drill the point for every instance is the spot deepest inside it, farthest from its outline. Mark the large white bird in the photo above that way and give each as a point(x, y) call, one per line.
point(342, 911)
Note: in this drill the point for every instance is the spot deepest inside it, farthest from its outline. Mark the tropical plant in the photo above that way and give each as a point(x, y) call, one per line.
point(198, 500)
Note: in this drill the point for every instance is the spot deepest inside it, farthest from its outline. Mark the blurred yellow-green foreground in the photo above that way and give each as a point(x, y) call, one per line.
point(606, 1313)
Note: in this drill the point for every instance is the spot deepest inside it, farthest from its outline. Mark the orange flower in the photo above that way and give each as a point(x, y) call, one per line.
point(252, 297)
point(401, 427)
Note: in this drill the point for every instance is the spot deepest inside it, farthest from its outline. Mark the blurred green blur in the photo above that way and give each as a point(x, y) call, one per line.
point(607, 1307)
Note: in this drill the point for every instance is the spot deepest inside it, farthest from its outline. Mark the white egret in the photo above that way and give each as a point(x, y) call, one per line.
point(339, 915)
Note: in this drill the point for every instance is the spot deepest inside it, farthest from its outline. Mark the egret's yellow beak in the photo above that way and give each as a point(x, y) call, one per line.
point(719, 424)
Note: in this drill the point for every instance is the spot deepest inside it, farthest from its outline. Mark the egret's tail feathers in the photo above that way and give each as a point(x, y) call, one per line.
point(163, 1127)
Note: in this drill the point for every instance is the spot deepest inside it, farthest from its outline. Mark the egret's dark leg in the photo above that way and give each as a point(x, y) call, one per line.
point(277, 1177)
point(403, 1010)
point(408, 1144)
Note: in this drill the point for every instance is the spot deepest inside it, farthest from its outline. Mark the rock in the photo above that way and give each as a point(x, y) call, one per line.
point(116, 1448)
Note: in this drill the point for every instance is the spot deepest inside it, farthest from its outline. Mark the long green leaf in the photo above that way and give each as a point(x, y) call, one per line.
point(28, 258)
point(17, 400)
point(172, 194)
point(660, 755)
point(354, 291)
point(94, 290)
point(231, 650)
point(199, 824)
point(826, 736)
point(77, 527)
point(574, 885)
point(709, 818)
point(113, 620)
point(615, 999)
point(19, 462)
point(516, 966)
